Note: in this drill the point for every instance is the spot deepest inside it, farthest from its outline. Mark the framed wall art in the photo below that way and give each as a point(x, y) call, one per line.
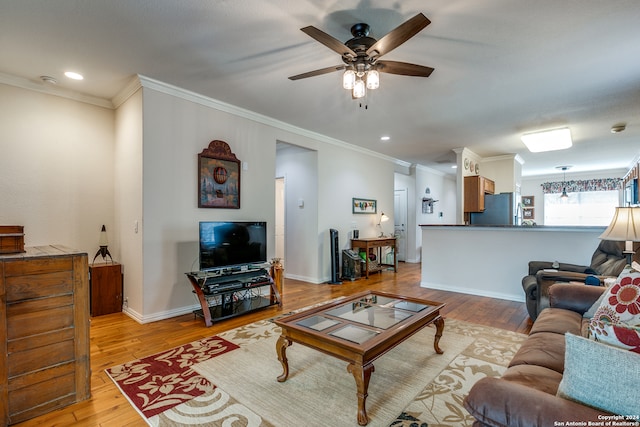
point(363, 206)
point(528, 201)
point(218, 177)
point(528, 213)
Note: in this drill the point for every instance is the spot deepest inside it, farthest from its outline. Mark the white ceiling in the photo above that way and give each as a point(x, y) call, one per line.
point(502, 68)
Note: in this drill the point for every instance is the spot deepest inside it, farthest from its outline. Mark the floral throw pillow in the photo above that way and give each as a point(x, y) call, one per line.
point(626, 337)
point(617, 319)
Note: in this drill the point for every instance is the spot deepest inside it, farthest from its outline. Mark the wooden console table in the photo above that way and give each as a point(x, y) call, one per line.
point(376, 243)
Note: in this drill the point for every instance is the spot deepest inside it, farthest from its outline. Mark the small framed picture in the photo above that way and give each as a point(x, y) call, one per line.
point(527, 201)
point(363, 206)
point(528, 213)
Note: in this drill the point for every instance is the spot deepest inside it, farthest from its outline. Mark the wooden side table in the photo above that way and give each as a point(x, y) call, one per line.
point(106, 288)
point(376, 243)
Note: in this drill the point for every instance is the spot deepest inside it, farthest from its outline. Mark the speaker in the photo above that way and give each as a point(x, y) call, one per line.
point(335, 257)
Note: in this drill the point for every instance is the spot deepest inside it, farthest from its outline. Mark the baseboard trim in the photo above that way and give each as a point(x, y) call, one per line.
point(161, 315)
point(470, 291)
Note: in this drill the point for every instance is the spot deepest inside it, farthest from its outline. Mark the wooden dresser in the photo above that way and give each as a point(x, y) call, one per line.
point(44, 331)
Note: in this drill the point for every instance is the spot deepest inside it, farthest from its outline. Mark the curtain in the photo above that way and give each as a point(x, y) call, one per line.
point(602, 184)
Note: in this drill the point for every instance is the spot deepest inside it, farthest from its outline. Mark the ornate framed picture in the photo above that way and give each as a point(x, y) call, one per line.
point(218, 177)
point(363, 206)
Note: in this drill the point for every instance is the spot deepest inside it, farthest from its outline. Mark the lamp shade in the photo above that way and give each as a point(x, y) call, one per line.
point(103, 237)
point(625, 225)
point(384, 218)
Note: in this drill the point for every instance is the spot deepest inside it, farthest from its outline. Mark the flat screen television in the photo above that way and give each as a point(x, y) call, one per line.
point(232, 244)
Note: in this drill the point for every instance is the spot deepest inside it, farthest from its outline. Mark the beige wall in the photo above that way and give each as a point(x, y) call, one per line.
point(56, 169)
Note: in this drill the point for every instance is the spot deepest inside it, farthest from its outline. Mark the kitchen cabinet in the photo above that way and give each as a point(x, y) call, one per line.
point(475, 187)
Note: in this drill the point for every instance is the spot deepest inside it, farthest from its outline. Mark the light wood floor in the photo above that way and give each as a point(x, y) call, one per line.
point(116, 338)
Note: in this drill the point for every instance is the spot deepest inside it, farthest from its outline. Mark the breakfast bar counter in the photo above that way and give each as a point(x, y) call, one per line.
point(492, 260)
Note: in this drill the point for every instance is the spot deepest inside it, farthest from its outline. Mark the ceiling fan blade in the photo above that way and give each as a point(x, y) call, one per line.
point(399, 35)
point(403, 68)
point(317, 72)
point(329, 41)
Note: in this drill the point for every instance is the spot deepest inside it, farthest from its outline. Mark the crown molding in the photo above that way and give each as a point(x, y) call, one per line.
point(126, 92)
point(149, 83)
point(50, 89)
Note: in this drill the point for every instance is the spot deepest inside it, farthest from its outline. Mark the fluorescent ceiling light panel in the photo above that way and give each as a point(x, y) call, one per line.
point(548, 140)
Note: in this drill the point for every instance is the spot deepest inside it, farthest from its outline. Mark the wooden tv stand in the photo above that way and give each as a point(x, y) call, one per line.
point(229, 294)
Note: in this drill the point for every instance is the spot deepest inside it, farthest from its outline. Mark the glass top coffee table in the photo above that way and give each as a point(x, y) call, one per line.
point(359, 329)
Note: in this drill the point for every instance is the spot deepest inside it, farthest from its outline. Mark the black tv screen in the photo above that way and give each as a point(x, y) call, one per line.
point(232, 243)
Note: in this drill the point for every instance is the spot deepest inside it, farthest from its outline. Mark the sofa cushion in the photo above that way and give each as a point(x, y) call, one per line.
point(537, 377)
point(600, 376)
point(544, 349)
point(558, 321)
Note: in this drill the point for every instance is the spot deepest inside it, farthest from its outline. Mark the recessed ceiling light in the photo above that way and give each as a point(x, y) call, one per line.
point(385, 138)
point(548, 140)
point(454, 166)
point(73, 75)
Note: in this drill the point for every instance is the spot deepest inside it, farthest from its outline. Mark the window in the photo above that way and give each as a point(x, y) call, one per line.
point(581, 208)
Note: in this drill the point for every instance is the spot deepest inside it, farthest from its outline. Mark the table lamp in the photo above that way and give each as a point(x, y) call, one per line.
point(383, 218)
point(104, 249)
point(625, 226)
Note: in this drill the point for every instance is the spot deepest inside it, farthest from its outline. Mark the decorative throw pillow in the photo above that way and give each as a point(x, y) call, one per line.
point(600, 376)
point(621, 302)
point(625, 337)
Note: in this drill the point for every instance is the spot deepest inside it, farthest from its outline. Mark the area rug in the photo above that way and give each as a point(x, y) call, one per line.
point(230, 380)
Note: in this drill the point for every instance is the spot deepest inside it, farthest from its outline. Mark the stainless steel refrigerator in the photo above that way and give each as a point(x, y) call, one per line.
point(499, 209)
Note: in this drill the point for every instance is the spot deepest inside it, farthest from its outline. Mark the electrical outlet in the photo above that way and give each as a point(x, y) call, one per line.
point(125, 302)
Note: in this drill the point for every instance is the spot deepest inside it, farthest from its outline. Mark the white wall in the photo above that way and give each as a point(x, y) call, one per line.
point(161, 153)
point(442, 188)
point(491, 261)
point(299, 167)
point(128, 200)
point(56, 164)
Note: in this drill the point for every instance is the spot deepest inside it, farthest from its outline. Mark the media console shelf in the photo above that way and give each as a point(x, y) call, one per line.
point(230, 294)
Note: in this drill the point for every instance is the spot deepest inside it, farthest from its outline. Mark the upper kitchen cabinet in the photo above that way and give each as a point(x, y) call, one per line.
point(475, 187)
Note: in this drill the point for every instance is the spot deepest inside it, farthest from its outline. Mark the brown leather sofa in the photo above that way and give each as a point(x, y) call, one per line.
point(608, 260)
point(525, 395)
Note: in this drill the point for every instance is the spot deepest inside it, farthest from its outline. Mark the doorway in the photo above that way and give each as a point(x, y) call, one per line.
point(400, 222)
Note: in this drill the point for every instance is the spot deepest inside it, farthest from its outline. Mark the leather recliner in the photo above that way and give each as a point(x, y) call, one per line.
point(607, 261)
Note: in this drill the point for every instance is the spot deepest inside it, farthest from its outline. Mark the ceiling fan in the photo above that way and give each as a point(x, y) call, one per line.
point(361, 55)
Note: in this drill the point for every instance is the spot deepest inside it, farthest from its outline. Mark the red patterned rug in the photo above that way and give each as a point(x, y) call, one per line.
point(159, 382)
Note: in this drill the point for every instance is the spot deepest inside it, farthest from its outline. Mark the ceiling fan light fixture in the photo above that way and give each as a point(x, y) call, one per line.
point(359, 89)
point(349, 79)
point(548, 140)
point(373, 79)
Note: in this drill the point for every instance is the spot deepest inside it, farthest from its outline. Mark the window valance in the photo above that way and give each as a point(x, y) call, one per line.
point(602, 184)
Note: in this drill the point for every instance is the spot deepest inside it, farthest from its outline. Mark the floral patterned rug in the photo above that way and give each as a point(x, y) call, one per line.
point(229, 380)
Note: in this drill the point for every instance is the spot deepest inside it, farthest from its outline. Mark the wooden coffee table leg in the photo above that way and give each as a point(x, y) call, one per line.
point(362, 375)
point(281, 349)
point(439, 322)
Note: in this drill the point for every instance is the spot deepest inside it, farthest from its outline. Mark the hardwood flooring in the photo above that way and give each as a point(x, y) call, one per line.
point(116, 338)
